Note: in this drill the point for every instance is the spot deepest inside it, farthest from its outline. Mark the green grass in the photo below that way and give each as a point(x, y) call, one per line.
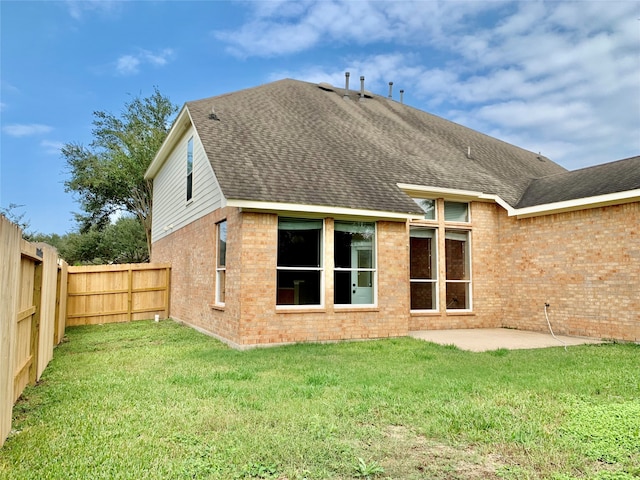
point(159, 400)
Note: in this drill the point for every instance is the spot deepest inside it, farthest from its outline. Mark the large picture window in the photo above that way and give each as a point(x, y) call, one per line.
point(190, 169)
point(423, 268)
point(221, 263)
point(355, 263)
point(458, 267)
point(299, 271)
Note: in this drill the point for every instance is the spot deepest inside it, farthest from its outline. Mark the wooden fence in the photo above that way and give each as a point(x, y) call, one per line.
point(117, 293)
point(32, 314)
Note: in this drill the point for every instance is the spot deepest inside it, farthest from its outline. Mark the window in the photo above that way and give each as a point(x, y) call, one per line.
point(355, 263)
point(190, 169)
point(458, 267)
point(428, 206)
point(456, 212)
point(221, 263)
point(423, 268)
point(299, 271)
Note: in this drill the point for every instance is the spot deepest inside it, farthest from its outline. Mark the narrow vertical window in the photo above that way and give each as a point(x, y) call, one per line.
point(423, 268)
point(458, 267)
point(355, 263)
point(221, 263)
point(299, 270)
point(190, 169)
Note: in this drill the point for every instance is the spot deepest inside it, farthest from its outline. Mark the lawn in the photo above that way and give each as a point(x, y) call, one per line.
point(160, 400)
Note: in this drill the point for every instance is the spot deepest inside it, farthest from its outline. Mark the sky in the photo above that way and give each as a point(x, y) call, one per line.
point(556, 77)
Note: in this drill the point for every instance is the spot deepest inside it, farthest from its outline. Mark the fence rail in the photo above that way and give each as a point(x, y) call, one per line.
point(117, 293)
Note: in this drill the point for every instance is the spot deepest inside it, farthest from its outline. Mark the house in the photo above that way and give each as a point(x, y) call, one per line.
point(296, 212)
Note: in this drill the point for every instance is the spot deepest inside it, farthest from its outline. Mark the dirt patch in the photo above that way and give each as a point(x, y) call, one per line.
point(410, 456)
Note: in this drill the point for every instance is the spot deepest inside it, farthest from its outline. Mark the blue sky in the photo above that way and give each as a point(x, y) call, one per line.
point(560, 78)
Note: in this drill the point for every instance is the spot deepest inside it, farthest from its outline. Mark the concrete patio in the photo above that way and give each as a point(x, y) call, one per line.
point(484, 339)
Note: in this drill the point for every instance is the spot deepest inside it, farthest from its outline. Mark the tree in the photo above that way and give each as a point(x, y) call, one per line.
point(109, 175)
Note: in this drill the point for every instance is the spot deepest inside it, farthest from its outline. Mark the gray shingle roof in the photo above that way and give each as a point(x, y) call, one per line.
point(296, 142)
point(614, 177)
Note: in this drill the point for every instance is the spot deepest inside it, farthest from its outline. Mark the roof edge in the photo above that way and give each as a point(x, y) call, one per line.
point(278, 207)
point(181, 123)
point(617, 198)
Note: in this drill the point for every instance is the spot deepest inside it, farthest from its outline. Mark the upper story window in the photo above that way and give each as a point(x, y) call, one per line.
point(456, 212)
point(355, 263)
point(300, 274)
point(190, 169)
point(428, 206)
point(221, 262)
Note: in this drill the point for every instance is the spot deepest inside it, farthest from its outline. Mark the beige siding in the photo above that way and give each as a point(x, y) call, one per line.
point(171, 211)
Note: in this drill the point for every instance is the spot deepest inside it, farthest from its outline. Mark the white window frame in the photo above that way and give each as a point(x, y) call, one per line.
point(374, 270)
point(221, 270)
point(434, 281)
point(468, 208)
point(189, 184)
point(435, 207)
point(306, 269)
point(468, 266)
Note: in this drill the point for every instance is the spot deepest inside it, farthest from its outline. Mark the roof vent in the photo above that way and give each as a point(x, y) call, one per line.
point(213, 115)
point(401, 96)
point(346, 85)
point(390, 89)
point(327, 87)
point(361, 87)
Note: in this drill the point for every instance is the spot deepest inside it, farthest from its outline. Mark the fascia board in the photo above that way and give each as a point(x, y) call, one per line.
point(617, 198)
point(313, 210)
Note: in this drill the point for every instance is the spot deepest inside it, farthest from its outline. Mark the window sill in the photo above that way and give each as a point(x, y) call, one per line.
point(425, 313)
point(352, 308)
point(217, 306)
point(460, 313)
point(299, 309)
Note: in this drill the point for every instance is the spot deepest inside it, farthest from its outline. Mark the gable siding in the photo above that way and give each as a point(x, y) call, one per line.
point(170, 206)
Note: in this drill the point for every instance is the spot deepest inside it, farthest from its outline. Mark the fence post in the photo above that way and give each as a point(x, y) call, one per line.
point(130, 293)
point(35, 323)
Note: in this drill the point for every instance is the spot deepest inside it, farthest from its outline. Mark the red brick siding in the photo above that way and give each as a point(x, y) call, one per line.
point(586, 264)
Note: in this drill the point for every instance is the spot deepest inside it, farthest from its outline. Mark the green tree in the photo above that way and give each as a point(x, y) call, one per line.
point(108, 176)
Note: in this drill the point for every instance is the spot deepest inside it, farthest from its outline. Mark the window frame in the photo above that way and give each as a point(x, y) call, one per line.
point(320, 268)
point(468, 211)
point(373, 270)
point(434, 203)
point(435, 281)
point(221, 268)
point(189, 184)
point(468, 264)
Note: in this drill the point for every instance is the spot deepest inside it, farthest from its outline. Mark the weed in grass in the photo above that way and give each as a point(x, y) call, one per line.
point(607, 433)
point(258, 470)
point(367, 470)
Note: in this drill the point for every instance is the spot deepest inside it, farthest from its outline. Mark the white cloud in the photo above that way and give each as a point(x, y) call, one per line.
point(26, 130)
point(130, 64)
point(51, 147)
point(78, 8)
point(127, 65)
point(554, 76)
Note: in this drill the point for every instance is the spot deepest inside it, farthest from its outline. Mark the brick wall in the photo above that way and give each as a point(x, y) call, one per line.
point(485, 275)
point(191, 251)
point(586, 264)
point(262, 322)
